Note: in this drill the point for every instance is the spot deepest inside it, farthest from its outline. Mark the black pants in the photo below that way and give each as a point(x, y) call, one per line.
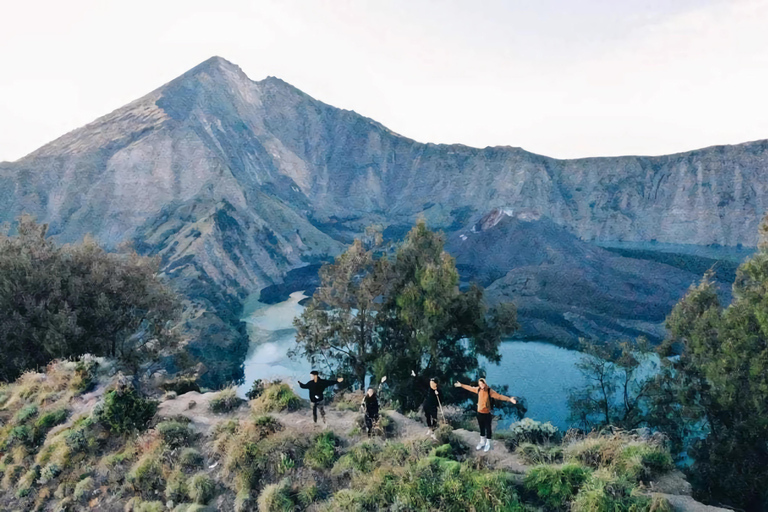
point(484, 419)
point(431, 415)
point(369, 420)
point(315, 407)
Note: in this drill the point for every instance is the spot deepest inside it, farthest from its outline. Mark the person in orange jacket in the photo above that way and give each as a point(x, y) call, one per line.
point(484, 417)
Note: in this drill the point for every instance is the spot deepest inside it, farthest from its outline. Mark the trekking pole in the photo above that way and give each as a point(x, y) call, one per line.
point(441, 408)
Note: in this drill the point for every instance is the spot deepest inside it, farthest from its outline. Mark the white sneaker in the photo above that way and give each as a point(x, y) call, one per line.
point(487, 446)
point(481, 445)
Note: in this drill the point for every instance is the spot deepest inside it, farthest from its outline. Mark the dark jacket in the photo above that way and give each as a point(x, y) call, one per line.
point(431, 399)
point(371, 404)
point(316, 389)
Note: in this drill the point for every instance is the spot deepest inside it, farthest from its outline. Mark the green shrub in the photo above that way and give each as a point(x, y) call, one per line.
point(277, 497)
point(190, 458)
point(322, 454)
point(225, 401)
point(535, 454)
point(201, 488)
point(124, 411)
point(555, 486)
point(176, 489)
point(146, 476)
point(174, 434)
point(84, 488)
point(277, 397)
point(25, 413)
point(530, 431)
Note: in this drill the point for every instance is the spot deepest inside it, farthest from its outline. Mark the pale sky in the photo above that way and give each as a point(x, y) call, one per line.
point(564, 78)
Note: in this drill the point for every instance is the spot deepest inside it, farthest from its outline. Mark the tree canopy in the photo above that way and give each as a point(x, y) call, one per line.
point(60, 301)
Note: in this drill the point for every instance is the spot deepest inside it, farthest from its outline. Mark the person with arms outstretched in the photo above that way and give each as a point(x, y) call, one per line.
point(484, 417)
point(317, 387)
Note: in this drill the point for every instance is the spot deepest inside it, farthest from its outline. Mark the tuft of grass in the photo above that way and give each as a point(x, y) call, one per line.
point(322, 454)
point(446, 435)
point(201, 488)
point(83, 489)
point(277, 397)
point(555, 486)
point(176, 489)
point(633, 459)
point(607, 492)
point(277, 497)
point(25, 413)
point(190, 458)
point(47, 421)
point(225, 401)
point(361, 457)
point(535, 454)
point(174, 434)
point(27, 482)
point(244, 501)
point(146, 476)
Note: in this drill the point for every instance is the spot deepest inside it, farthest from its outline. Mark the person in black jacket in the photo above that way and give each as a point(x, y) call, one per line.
point(317, 387)
point(371, 407)
point(431, 403)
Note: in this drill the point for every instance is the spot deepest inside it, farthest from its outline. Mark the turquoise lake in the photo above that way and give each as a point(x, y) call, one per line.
point(540, 372)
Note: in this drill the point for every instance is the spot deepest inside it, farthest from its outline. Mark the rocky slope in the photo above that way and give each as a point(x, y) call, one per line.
point(565, 288)
point(235, 182)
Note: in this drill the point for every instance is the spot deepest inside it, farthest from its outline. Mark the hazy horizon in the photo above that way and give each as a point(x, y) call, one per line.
point(563, 80)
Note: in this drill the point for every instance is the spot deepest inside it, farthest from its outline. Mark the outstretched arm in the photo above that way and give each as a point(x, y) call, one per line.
point(302, 386)
point(498, 396)
point(468, 388)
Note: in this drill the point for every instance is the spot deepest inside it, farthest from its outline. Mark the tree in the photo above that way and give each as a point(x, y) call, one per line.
point(63, 301)
point(715, 387)
point(432, 327)
point(381, 314)
point(339, 327)
point(618, 384)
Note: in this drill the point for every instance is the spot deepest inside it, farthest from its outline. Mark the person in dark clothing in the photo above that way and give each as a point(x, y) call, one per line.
point(371, 408)
point(431, 403)
point(317, 387)
point(484, 417)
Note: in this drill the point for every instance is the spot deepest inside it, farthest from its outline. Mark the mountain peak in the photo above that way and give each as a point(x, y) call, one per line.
point(215, 66)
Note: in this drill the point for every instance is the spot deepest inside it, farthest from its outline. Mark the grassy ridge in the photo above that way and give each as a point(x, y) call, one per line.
point(73, 438)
